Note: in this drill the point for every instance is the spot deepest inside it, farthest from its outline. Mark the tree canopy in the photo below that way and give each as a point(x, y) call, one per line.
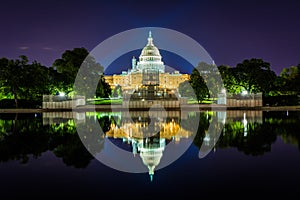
point(198, 84)
point(289, 80)
point(255, 75)
point(21, 79)
point(69, 64)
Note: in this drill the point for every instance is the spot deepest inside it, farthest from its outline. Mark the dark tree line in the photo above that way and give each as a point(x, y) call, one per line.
point(20, 79)
point(252, 76)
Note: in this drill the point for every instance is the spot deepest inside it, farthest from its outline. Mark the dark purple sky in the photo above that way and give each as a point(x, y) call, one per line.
point(230, 31)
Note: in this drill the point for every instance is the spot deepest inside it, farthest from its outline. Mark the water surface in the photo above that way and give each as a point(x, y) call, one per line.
point(256, 154)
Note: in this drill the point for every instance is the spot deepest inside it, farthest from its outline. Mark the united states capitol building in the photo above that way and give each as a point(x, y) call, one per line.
point(150, 61)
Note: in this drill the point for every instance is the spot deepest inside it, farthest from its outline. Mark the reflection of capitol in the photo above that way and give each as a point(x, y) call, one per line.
point(139, 124)
point(148, 134)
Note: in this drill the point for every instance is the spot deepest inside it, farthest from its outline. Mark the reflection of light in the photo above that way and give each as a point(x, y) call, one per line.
point(62, 94)
point(287, 113)
point(206, 139)
point(143, 99)
point(245, 125)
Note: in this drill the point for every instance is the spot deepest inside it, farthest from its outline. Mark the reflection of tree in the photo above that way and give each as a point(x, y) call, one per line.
point(257, 141)
point(258, 137)
point(287, 125)
point(105, 122)
point(73, 152)
point(24, 137)
point(90, 134)
point(21, 140)
point(189, 124)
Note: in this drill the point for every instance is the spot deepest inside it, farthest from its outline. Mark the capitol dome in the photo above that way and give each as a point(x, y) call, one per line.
point(150, 50)
point(149, 59)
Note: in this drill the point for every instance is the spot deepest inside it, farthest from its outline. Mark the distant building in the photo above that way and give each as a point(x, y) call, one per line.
point(150, 61)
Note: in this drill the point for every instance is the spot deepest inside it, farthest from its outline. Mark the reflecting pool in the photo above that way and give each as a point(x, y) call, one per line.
point(228, 154)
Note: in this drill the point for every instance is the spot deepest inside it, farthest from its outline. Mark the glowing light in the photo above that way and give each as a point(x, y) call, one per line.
point(245, 92)
point(62, 94)
point(245, 125)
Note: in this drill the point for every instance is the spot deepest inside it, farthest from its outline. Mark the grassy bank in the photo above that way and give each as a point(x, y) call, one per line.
point(105, 102)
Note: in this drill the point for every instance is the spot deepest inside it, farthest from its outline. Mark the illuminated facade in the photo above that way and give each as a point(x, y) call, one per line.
point(150, 62)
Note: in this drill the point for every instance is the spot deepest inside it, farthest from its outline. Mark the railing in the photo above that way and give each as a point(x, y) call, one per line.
point(244, 100)
point(62, 102)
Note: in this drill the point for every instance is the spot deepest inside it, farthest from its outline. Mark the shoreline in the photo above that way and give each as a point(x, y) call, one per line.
point(190, 107)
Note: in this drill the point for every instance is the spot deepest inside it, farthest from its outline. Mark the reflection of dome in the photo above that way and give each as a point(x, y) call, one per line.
point(151, 155)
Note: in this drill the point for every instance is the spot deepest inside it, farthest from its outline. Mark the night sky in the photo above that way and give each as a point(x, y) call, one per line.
point(230, 31)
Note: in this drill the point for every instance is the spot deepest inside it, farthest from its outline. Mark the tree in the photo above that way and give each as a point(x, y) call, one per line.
point(4, 89)
point(211, 77)
point(117, 92)
point(289, 79)
point(255, 76)
point(103, 89)
point(23, 80)
point(185, 90)
point(198, 84)
point(69, 64)
point(12, 75)
point(56, 81)
point(230, 83)
point(39, 84)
